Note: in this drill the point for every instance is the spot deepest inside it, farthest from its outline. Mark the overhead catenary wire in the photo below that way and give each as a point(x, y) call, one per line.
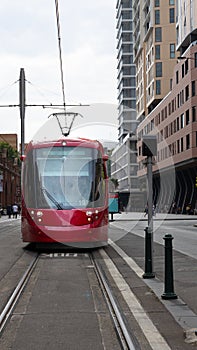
point(60, 53)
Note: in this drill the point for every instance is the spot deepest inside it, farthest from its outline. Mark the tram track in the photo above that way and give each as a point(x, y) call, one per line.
point(12, 300)
point(124, 336)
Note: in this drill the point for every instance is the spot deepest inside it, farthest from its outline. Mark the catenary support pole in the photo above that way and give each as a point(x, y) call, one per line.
point(22, 107)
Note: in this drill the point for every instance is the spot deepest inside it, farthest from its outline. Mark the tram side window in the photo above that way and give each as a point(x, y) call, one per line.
point(33, 195)
point(28, 181)
point(98, 184)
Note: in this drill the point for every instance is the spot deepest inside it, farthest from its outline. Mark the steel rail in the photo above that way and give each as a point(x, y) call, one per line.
point(121, 329)
point(7, 310)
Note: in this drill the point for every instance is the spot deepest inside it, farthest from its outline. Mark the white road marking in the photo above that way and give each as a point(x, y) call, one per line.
point(130, 262)
point(151, 333)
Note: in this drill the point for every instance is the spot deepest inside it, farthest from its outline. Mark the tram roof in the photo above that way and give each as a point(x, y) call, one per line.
point(66, 141)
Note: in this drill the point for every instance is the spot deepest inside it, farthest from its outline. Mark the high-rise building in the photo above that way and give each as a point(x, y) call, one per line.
point(126, 69)
point(124, 156)
point(174, 119)
point(154, 32)
point(186, 23)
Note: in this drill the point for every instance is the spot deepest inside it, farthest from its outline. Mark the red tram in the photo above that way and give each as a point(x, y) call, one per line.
point(65, 193)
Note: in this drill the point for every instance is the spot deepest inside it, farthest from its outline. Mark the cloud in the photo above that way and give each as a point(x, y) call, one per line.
point(29, 40)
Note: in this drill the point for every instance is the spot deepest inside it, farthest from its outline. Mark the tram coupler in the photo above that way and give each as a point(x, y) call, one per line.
point(169, 282)
point(148, 254)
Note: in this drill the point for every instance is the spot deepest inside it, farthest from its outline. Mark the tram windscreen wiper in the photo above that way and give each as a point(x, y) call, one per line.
point(53, 200)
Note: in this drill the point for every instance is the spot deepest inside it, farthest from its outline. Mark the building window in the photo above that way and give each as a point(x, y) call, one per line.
point(157, 16)
point(169, 108)
point(126, 59)
point(193, 114)
point(126, 71)
point(172, 50)
point(178, 100)
point(127, 15)
point(181, 144)
point(177, 76)
point(186, 92)
point(158, 34)
point(171, 15)
point(187, 141)
point(158, 87)
point(193, 88)
point(127, 26)
point(159, 69)
point(172, 106)
point(174, 126)
point(177, 124)
point(182, 97)
point(171, 2)
point(195, 57)
point(182, 121)
point(183, 70)
point(157, 3)
point(178, 146)
point(187, 117)
point(166, 112)
point(186, 66)
point(157, 52)
point(166, 132)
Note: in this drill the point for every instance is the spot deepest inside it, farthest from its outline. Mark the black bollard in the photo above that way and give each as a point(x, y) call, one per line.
point(148, 254)
point(169, 282)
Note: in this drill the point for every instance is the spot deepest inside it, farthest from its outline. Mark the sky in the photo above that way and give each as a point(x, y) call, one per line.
point(29, 40)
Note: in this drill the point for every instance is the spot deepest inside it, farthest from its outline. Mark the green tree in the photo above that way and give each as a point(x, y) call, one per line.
point(7, 149)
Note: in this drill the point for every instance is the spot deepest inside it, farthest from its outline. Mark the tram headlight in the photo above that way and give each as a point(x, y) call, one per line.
point(39, 214)
point(89, 214)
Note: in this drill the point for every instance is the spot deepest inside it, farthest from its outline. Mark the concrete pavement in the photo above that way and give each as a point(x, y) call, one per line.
point(184, 308)
point(136, 216)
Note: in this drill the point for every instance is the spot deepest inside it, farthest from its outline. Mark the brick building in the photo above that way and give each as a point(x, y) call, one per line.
point(10, 187)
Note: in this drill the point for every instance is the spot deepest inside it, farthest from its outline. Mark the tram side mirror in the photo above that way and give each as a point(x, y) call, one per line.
point(149, 145)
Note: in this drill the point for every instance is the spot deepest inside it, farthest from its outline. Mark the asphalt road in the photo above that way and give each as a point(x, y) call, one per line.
point(183, 231)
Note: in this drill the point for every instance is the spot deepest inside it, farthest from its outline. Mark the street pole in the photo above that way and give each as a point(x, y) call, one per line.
point(22, 108)
point(148, 273)
point(149, 149)
point(150, 193)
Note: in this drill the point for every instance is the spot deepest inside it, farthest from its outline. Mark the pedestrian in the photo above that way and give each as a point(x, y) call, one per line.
point(19, 209)
point(15, 210)
point(146, 210)
point(9, 211)
point(188, 209)
point(174, 208)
